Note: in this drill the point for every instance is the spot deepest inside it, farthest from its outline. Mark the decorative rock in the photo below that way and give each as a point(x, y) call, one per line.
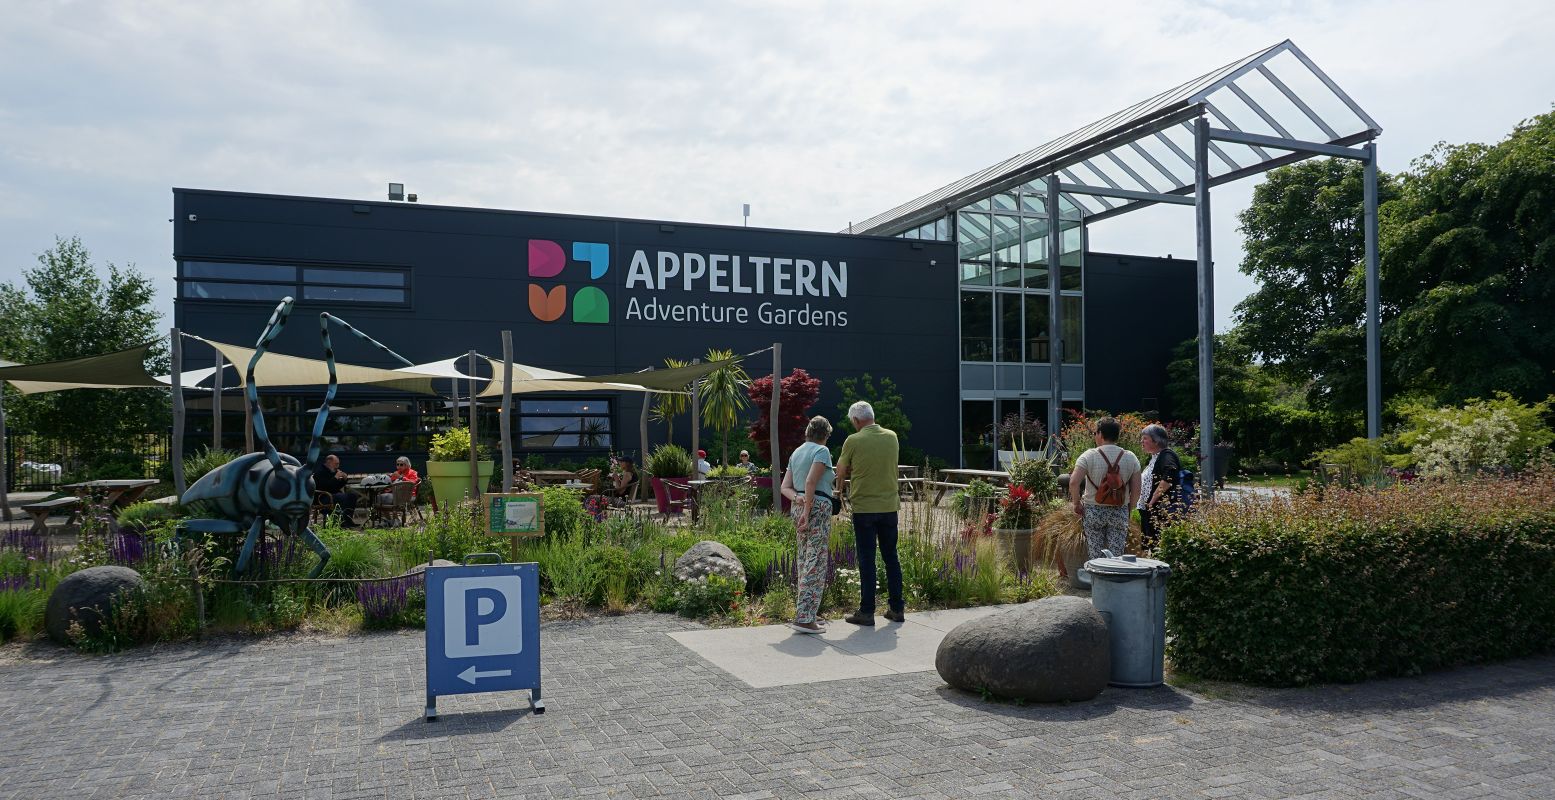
point(709, 558)
point(86, 597)
point(1053, 650)
point(436, 562)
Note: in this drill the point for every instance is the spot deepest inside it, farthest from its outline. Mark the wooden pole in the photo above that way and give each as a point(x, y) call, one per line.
point(772, 423)
point(475, 470)
point(178, 412)
point(696, 420)
point(506, 417)
point(248, 422)
point(5, 502)
point(642, 457)
point(216, 403)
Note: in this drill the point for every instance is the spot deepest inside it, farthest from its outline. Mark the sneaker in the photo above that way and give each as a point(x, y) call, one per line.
point(804, 629)
point(895, 616)
point(860, 618)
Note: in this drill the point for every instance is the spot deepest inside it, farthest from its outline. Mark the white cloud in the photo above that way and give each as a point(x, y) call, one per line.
point(815, 113)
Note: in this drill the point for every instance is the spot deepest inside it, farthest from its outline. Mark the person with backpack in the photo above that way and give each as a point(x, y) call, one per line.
point(1104, 487)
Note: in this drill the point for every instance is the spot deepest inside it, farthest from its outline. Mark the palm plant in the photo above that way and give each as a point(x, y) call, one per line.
point(724, 396)
point(669, 405)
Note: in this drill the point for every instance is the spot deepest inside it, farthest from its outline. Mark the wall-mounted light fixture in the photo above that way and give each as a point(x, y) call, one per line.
point(396, 191)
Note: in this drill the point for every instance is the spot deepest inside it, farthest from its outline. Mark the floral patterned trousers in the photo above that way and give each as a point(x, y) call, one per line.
point(1106, 528)
point(813, 545)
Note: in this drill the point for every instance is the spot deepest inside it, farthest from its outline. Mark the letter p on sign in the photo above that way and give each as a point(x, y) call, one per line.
point(481, 616)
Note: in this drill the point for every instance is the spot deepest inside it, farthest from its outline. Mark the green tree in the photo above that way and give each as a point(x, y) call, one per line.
point(1468, 259)
point(64, 308)
point(884, 398)
point(1305, 246)
point(723, 396)
point(669, 405)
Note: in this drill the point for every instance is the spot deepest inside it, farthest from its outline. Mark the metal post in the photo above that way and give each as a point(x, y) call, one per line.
point(506, 417)
point(1055, 335)
point(1206, 275)
point(178, 412)
point(642, 426)
point(772, 423)
point(216, 404)
point(1373, 290)
point(475, 470)
point(5, 502)
point(696, 418)
point(248, 422)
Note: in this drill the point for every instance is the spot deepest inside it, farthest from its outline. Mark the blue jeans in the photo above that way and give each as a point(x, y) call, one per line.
point(868, 529)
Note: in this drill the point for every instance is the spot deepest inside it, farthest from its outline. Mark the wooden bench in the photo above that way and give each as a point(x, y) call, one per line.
point(941, 487)
point(40, 511)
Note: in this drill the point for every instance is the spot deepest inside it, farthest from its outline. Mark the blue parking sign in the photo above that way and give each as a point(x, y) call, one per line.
point(483, 631)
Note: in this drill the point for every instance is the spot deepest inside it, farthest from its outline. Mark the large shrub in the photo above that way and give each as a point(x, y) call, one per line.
point(1358, 584)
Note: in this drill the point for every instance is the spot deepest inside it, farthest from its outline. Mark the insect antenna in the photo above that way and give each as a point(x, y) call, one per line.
point(329, 395)
point(251, 389)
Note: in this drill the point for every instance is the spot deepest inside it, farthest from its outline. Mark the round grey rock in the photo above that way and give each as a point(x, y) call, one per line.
point(436, 562)
point(709, 558)
point(1053, 650)
point(87, 597)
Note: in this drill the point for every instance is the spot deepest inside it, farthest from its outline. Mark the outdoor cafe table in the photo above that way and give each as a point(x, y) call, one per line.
point(948, 476)
point(116, 493)
point(552, 477)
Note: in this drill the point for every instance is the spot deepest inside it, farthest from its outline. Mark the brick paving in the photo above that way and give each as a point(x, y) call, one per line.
point(633, 714)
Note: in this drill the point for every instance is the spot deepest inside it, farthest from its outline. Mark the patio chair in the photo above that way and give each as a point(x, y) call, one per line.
point(395, 505)
point(323, 506)
point(590, 477)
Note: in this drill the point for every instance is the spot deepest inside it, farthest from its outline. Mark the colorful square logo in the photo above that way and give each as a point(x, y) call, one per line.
point(547, 260)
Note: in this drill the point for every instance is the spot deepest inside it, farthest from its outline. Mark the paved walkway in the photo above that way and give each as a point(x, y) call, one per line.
point(632, 713)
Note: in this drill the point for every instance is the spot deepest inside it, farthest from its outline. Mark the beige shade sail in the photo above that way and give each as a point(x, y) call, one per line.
point(533, 380)
point(277, 369)
point(120, 369)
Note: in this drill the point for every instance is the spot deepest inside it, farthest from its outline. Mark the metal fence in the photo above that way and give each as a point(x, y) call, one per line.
point(39, 463)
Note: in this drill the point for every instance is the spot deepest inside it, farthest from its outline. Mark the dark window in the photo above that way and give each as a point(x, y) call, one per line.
point(1009, 327)
point(353, 294)
point(566, 423)
point(354, 277)
point(267, 273)
point(206, 290)
point(1037, 329)
point(976, 326)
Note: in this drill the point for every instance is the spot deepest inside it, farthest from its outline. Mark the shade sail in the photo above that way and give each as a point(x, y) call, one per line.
point(277, 369)
point(674, 379)
point(533, 380)
point(120, 369)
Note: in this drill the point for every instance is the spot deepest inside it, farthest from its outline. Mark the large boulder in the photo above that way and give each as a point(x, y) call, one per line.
point(709, 558)
point(436, 562)
point(87, 597)
point(1053, 650)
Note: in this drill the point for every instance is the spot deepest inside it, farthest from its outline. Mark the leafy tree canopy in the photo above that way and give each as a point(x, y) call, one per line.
point(883, 397)
point(64, 308)
point(1468, 258)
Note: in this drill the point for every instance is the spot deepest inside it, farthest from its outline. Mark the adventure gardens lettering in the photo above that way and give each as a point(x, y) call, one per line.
point(718, 273)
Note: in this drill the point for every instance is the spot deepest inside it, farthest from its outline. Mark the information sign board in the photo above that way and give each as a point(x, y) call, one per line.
point(515, 514)
point(483, 631)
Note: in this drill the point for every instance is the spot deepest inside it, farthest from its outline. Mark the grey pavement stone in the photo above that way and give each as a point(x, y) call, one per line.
point(633, 714)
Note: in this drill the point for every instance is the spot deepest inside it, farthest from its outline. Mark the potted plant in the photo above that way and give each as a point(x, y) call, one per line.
point(1018, 432)
point(448, 465)
point(669, 462)
point(1062, 541)
point(1013, 528)
point(976, 500)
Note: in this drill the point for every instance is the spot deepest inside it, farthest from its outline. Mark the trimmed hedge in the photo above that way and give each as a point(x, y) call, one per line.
point(1351, 585)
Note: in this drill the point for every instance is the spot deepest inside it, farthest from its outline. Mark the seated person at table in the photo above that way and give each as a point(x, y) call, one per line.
point(625, 480)
point(746, 463)
point(329, 479)
point(404, 474)
point(702, 467)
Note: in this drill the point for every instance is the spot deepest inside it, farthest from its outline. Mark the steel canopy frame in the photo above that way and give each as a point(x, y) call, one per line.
point(1269, 109)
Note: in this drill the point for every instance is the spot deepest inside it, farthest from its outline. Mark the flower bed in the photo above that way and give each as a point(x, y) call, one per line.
point(1355, 584)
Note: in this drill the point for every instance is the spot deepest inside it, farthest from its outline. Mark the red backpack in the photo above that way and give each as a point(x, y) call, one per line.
point(1112, 491)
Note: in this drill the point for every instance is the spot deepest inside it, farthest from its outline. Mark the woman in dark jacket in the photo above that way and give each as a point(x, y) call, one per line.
point(1159, 490)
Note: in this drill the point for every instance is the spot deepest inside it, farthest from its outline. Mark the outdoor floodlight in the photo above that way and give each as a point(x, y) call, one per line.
point(396, 191)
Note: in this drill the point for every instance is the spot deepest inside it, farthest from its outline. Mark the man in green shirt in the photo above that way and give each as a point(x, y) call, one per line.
point(868, 461)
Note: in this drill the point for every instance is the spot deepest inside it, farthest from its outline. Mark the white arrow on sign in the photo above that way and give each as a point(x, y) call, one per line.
point(472, 674)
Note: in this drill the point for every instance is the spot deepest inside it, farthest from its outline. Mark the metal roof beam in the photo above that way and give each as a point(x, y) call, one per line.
point(1296, 100)
point(1126, 194)
point(1259, 110)
point(1112, 155)
point(1313, 148)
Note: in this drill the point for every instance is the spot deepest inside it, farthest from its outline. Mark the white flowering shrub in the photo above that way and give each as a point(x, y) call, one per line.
point(1495, 434)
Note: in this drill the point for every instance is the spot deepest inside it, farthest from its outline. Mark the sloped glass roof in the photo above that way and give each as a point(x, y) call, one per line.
point(1148, 147)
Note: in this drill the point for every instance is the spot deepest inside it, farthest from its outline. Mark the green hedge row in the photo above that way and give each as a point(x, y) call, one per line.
point(1349, 586)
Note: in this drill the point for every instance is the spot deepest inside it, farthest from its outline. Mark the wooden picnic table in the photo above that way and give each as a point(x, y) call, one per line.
point(116, 492)
point(552, 477)
point(995, 477)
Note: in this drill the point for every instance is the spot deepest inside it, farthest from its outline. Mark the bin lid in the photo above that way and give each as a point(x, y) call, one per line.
point(1127, 565)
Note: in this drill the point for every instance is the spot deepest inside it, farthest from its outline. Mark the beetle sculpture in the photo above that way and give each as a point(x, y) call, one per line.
point(270, 486)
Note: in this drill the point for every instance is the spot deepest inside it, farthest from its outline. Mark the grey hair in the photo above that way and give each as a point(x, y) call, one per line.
point(818, 430)
point(1157, 434)
point(862, 411)
point(402, 460)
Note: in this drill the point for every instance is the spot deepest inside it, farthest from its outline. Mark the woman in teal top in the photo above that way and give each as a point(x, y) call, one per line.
point(812, 505)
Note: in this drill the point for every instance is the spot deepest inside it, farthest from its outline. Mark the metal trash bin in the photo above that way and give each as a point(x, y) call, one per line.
point(1130, 592)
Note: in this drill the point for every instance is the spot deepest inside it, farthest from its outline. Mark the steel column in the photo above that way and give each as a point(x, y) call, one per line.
point(1055, 336)
point(1373, 289)
point(1206, 276)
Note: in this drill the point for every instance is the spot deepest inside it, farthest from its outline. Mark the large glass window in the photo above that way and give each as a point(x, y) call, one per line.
point(976, 428)
point(1006, 251)
point(1009, 327)
point(354, 277)
point(267, 283)
point(1072, 242)
point(1034, 233)
point(1037, 338)
point(976, 326)
point(572, 423)
point(974, 240)
point(240, 272)
point(1072, 319)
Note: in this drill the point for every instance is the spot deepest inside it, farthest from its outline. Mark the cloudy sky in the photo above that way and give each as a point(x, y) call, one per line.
point(817, 114)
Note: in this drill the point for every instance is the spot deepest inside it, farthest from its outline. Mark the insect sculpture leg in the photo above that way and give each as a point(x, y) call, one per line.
point(317, 545)
point(254, 532)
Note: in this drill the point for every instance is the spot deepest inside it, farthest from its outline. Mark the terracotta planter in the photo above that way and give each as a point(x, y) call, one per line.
point(451, 479)
point(669, 500)
point(1015, 547)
